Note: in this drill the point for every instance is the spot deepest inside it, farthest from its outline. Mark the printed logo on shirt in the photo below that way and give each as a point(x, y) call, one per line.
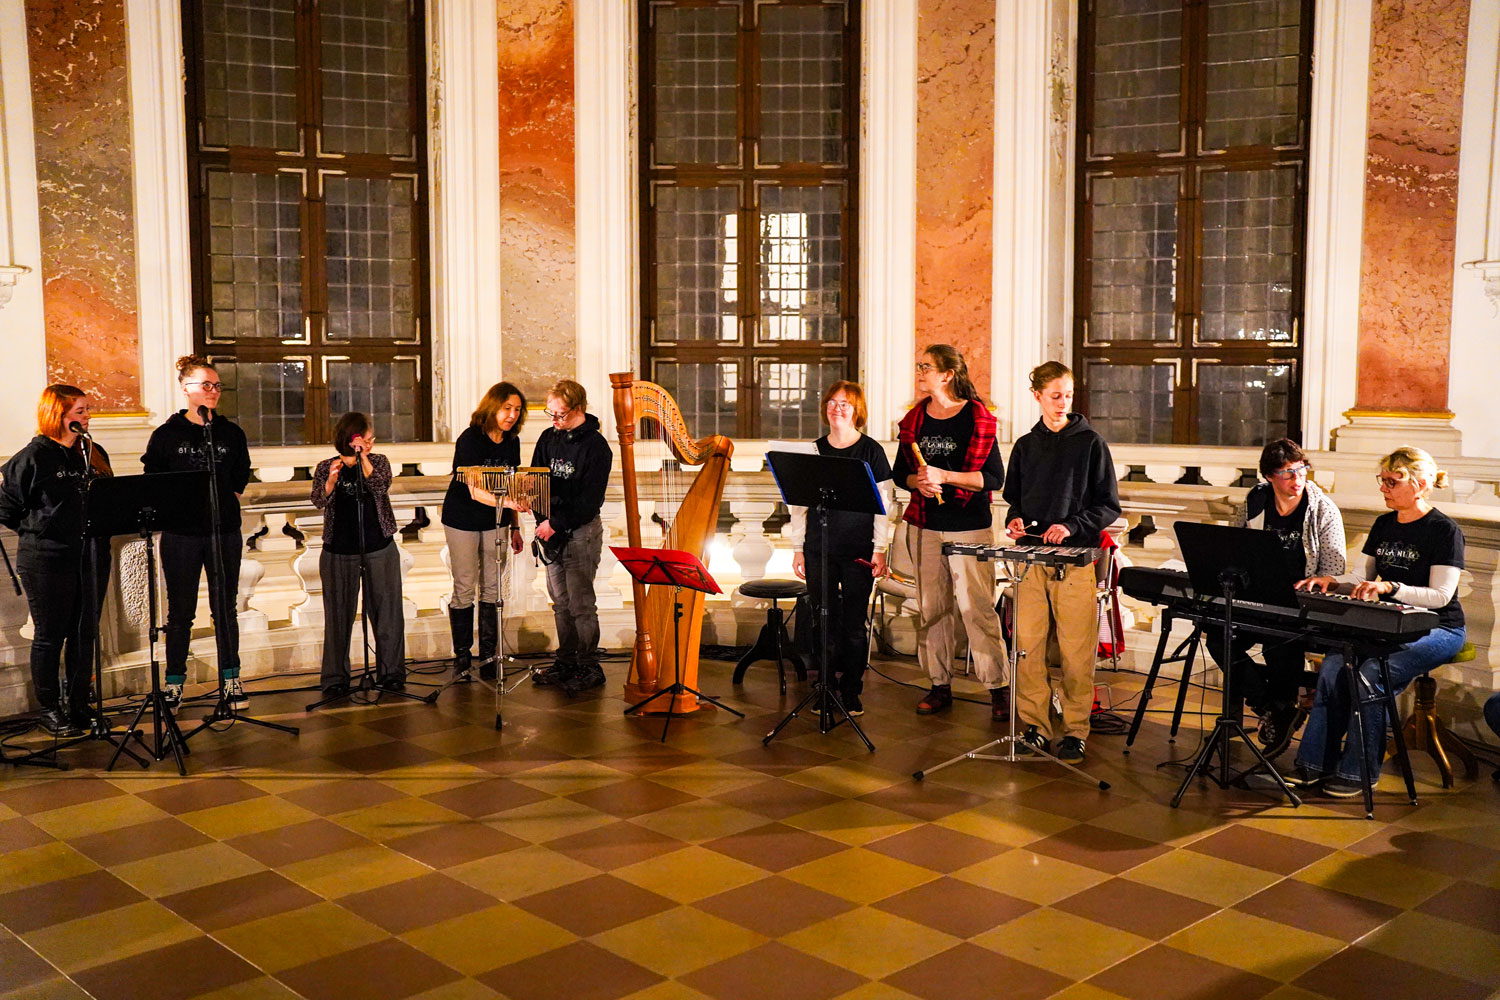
point(1291, 539)
point(199, 453)
point(937, 447)
point(1397, 555)
point(562, 469)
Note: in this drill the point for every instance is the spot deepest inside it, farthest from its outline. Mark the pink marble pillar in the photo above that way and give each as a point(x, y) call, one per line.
point(80, 100)
point(537, 232)
point(1417, 52)
point(955, 178)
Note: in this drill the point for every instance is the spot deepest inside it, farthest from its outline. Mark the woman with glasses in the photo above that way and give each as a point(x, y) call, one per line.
point(571, 534)
point(1414, 555)
point(1311, 531)
point(493, 438)
point(353, 490)
point(949, 462)
point(181, 445)
point(855, 552)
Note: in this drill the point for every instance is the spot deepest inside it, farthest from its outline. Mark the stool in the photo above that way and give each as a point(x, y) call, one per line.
point(1425, 729)
point(773, 643)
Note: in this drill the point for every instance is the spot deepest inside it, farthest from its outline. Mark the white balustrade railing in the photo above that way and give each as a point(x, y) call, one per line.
point(281, 606)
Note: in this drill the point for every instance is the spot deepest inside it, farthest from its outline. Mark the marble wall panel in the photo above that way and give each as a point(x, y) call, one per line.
point(1417, 51)
point(537, 237)
point(955, 178)
point(80, 100)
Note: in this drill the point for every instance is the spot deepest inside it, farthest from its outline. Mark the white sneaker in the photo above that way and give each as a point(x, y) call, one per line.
point(234, 694)
point(173, 695)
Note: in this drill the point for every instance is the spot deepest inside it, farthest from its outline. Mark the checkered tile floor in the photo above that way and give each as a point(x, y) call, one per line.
point(405, 850)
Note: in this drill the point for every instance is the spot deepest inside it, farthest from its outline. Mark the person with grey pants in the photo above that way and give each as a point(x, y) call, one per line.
point(359, 528)
point(570, 535)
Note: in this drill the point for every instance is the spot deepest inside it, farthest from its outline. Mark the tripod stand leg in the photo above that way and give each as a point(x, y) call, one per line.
point(133, 731)
point(789, 717)
point(1200, 762)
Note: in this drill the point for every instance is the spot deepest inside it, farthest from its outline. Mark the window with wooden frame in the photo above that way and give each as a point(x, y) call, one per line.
point(307, 167)
point(1192, 180)
point(749, 142)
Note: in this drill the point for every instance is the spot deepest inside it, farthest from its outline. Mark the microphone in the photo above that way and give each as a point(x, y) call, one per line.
point(206, 414)
point(77, 428)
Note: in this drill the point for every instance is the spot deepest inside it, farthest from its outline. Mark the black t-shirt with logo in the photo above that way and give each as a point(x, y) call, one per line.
point(945, 445)
point(1406, 553)
point(346, 519)
point(1289, 530)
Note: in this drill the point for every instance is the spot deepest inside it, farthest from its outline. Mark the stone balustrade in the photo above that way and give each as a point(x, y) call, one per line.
point(280, 596)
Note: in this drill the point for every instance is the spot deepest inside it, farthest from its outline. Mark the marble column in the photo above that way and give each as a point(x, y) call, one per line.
point(1416, 91)
point(537, 235)
point(81, 109)
point(955, 178)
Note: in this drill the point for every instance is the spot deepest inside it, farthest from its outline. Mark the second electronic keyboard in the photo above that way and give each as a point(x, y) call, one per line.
point(1329, 616)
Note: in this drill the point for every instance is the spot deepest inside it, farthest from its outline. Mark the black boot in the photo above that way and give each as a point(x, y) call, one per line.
point(489, 639)
point(461, 623)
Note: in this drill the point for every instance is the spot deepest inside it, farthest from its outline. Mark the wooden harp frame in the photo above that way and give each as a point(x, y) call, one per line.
point(654, 662)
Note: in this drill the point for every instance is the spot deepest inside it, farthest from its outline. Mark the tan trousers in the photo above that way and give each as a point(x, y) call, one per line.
point(949, 586)
point(1070, 604)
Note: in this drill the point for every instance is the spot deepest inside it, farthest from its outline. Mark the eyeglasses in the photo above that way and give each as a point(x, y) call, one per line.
point(557, 416)
point(834, 407)
point(924, 367)
point(1295, 471)
point(1389, 482)
point(208, 386)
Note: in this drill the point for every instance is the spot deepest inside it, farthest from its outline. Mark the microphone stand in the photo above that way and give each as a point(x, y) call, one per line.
point(227, 597)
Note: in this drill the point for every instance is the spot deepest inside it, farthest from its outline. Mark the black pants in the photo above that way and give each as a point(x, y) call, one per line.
point(55, 581)
point(341, 591)
point(183, 560)
point(1262, 685)
point(849, 585)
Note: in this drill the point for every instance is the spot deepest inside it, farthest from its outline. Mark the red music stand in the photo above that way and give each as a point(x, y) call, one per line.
point(676, 569)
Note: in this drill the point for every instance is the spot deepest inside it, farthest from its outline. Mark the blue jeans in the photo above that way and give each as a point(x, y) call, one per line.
point(1328, 722)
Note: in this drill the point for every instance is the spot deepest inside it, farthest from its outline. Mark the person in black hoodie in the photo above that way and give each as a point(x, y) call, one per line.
point(181, 445)
point(1062, 488)
point(570, 536)
point(41, 500)
point(491, 439)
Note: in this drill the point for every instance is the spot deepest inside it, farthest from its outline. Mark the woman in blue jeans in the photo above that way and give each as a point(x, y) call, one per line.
point(1414, 555)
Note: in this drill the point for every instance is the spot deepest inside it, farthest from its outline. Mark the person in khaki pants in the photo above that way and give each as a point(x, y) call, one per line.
point(949, 462)
point(1061, 488)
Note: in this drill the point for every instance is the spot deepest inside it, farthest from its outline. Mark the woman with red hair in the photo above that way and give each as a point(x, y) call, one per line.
point(41, 500)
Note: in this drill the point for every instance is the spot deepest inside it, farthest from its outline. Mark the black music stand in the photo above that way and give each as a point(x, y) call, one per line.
point(823, 484)
point(1236, 564)
point(1017, 564)
point(146, 505)
point(677, 569)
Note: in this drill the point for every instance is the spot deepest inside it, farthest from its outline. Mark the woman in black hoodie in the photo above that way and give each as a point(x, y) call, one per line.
point(181, 445)
point(571, 534)
point(1062, 489)
point(41, 499)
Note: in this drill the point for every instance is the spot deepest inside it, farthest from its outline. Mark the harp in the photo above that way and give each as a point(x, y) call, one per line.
point(655, 663)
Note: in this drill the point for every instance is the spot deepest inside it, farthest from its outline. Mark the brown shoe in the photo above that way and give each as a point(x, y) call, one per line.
point(1000, 704)
point(939, 698)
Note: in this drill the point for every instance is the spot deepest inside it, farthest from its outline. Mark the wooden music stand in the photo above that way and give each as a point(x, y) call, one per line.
point(678, 570)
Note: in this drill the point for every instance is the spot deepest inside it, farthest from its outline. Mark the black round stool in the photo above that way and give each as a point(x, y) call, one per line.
point(773, 643)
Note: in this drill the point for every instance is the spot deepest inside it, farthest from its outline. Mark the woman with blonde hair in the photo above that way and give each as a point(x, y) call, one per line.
point(493, 438)
point(181, 444)
point(1414, 555)
point(41, 500)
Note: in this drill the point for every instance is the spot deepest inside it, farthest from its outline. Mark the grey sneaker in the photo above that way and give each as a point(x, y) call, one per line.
point(234, 694)
point(173, 695)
